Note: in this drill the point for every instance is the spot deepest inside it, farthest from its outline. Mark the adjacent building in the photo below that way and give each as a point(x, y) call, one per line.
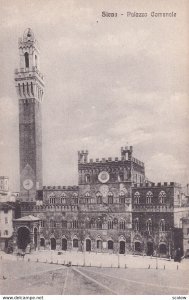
point(8, 206)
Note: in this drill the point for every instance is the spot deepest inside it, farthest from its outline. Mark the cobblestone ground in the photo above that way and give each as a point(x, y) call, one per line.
point(30, 276)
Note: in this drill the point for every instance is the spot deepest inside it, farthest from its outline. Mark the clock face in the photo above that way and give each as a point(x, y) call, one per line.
point(104, 190)
point(103, 176)
point(27, 184)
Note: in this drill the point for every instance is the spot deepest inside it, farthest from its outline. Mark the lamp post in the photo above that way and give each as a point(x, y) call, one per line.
point(118, 260)
point(156, 255)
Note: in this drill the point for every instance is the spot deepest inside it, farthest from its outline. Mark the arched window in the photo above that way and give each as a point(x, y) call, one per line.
point(162, 197)
point(26, 55)
point(75, 224)
point(110, 245)
point(99, 198)
point(99, 224)
point(87, 198)
point(122, 225)
point(64, 224)
point(75, 198)
point(149, 197)
point(136, 224)
point(87, 224)
point(42, 223)
point(149, 225)
point(162, 225)
point(122, 197)
point(110, 224)
point(52, 223)
point(63, 199)
point(52, 199)
point(110, 198)
point(87, 178)
point(137, 198)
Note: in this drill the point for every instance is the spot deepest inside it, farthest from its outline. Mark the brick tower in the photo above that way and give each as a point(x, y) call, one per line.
point(30, 87)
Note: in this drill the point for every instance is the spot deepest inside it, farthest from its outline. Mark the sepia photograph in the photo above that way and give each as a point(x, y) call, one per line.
point(94, 148)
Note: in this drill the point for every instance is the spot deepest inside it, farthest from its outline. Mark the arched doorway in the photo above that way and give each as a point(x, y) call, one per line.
point(23, 238)
point(138, 247)
point(88, 245)
point(162, 249)
point(53, 244)
point(42, 242)
point(150, 248)
point(75, 243)
point(64, 244)
point(122, 247)
point(99, 244)
point(110, 245)
point(35, 238)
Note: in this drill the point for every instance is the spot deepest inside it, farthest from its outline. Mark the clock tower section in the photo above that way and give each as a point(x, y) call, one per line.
point(30, 88)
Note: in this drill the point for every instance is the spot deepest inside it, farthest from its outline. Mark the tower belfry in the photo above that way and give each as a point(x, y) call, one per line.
point(30, 89)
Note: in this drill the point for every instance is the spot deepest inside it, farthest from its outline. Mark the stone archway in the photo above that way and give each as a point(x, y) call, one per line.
point(42, 242)
point(162, 249)
point(122, 247)
point(138, 246)
point(64, 244)
point(150, 248)
point(23, 237)
point(53, 243)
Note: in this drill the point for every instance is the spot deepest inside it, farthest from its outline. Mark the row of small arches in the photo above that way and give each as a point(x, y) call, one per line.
point(149, 225)
point(75, 243)
point(149, 196)
point(87, 198)
point(99, 224)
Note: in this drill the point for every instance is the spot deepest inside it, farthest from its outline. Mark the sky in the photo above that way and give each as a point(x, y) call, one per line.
point(109, 82)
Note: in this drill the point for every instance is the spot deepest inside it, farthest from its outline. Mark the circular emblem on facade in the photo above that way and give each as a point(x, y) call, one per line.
point(104, 190)
point(103, 176)
point(27, 184)
point(124, 190)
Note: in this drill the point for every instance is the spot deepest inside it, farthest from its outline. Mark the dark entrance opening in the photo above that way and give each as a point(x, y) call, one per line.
point(53, 244)
point(64, 244)
point(88, 245)
point(150, 248)
point(6, 244)
point(122, 247)
point(42, 242)
point(23, 238)
point(138, 247)
point(99, 244)
point(162, 249)
point(35, 238)
point(110, 245)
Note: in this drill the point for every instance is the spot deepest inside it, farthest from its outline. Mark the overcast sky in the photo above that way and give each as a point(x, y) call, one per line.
point(109, 82)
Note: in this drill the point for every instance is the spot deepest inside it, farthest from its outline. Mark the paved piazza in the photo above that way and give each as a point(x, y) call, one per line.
point(135, 275)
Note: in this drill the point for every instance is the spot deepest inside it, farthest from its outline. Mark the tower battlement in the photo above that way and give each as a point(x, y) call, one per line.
point(126, 155)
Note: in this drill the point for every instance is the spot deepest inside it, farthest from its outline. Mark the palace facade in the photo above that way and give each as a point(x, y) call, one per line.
point(112, 209)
